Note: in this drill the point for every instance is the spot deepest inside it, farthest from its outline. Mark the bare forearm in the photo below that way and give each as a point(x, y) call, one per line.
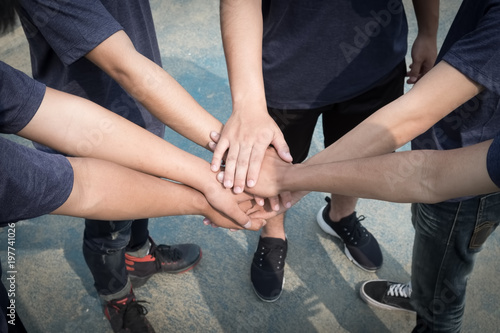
point(438, 93)
point(241, 28)
point(106, 191)
point(103, 190)
point(412, 176)
point(427, 14)
point(154, 88)
point(78, 127)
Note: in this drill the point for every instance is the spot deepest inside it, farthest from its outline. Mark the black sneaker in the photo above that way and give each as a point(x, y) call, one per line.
point(171, 259)
point(387, 295)
point(359, 244)
point(267, 271)
point(127, 315)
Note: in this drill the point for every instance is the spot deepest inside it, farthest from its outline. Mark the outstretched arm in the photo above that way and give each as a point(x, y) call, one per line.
point(434, 96)
point(107, 191)
point(438, 93)
point(250, 130)
point(60, 123)
point(426, 176)
point(154, 88)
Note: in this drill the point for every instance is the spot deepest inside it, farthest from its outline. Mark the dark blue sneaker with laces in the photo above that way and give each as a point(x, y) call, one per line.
point(267, 272)
point(359, 244)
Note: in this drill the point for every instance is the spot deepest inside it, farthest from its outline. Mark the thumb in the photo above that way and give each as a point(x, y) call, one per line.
point(282, 149)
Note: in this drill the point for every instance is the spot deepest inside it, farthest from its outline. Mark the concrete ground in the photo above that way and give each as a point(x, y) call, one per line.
point(54, 288)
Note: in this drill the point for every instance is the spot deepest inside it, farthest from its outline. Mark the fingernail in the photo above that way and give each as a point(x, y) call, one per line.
point(248, 225)
point(213, 167)
point(212, 145)
point(228, 184)
point(250, 183)
point(276, 207)
point(288, 204)
point(237, 190)
point(261, 203)
point(206, 221)
point(220, 177)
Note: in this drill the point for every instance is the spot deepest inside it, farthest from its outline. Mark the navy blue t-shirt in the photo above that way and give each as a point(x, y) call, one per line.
point(472, 46)
point(322, 52)
point(32, 183)
point(493, 160)
point(61, 33)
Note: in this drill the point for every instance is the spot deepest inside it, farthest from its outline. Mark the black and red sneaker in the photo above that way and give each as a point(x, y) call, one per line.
point(127, 315)
point(173, 259)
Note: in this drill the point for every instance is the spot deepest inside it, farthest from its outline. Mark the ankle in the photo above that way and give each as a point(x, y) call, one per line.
point(339, 215)
point(273, 234)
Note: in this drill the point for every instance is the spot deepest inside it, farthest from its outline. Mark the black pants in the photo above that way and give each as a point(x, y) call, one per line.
point(338, 119)
point(104, 247)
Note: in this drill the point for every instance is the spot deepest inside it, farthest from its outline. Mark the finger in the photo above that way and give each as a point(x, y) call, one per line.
point(257, 224)
point(282, 149)
point(241, 169)
point(258, 153)
point(259, 200)
point(215, 136)
point(230, 168)
point(275, 203)
point(220, 177)
point(286, 199)
point(212, 145)
point(414, 72)
point(219, 152)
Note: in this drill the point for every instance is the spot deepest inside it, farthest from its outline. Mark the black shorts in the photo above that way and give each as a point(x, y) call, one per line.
point(338, 119)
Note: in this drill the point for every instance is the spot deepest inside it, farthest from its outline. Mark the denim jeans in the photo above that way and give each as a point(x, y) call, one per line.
point(104, 247)
point(448, 236)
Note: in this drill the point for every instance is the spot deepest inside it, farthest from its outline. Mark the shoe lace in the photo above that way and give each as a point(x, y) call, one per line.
point(400, 290)
point(357, 231)
point(274, 255)
point(166, 253)
point(133, 315)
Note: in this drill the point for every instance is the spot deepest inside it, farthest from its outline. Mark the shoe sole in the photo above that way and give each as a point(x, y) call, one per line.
point(326, 228)
point(266, 299)
point(138, 282)
point(372, 302)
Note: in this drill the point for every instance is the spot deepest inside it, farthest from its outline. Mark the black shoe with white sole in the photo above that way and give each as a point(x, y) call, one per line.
point(359, 244)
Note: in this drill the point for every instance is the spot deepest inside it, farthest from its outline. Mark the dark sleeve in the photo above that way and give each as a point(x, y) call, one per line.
point(493, 161)
point(20, 98)
point(71, 28)
point(32, 183)
point(477, 54)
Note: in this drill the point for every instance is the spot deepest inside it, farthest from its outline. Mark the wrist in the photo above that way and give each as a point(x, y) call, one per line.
point(249, 100)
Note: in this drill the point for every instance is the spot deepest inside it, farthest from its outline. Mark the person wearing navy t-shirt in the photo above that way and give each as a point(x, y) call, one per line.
point(290, 62)
point(106, 51)
point(440, 270)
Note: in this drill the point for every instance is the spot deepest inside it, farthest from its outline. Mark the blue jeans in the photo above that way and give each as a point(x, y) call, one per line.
point(104, 246)
point(448, 237)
